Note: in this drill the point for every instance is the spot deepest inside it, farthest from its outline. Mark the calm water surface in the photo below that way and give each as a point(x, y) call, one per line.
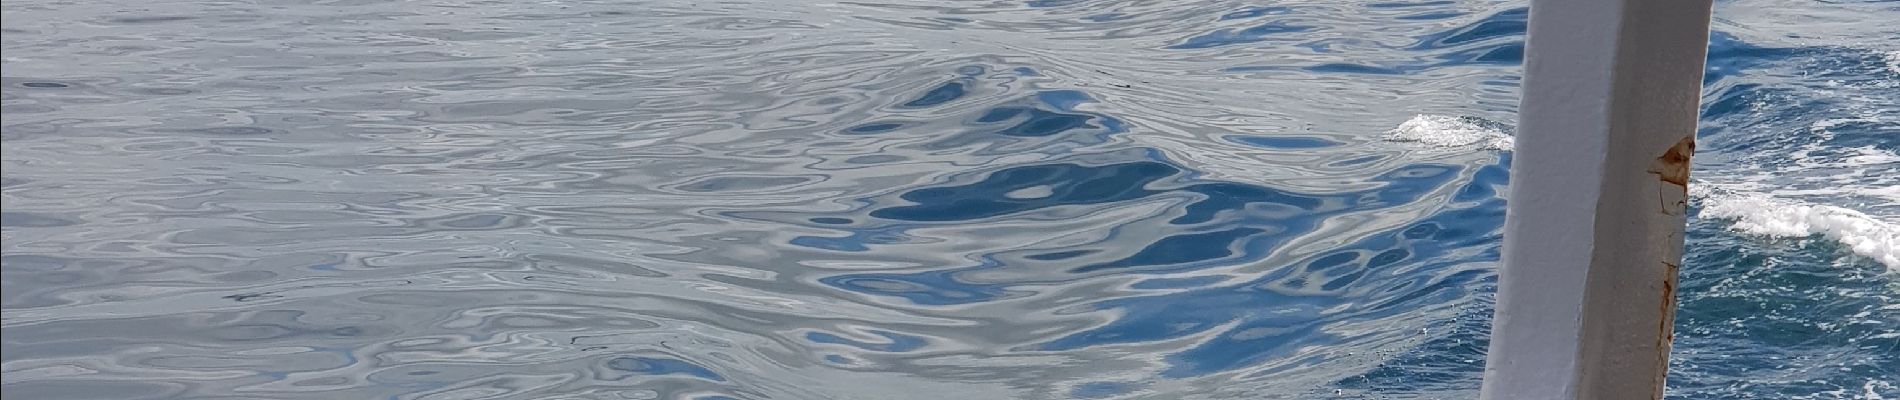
point(757, 199)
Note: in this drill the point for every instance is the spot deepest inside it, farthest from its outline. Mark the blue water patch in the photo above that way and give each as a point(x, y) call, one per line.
point(1497, 54)
point(1285, 142)
point(1860, 134)
point(662, 366)
point(1267, 318)
point(1487, 182)
point(1182, 249)
point(1737, 99)
point(1068, 184)
point(1496, 39)
point(1254, 220)
point(1433, 15)
point(876, 127)
point(1507, 24)
point(1048, 115)
point(1074, 184)
point(1036, 123)
point(1730, 56)
point(1060, 255)
point(924, 288)
point(1255, 12)
point(939, 95)
point(831, 220)
point(1103, 390)
point(1354, 69)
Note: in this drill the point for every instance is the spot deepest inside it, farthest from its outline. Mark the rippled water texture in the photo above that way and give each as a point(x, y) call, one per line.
point(840, 200)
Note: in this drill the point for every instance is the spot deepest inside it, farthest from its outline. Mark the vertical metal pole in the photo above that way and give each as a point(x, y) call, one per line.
point(1593, 235)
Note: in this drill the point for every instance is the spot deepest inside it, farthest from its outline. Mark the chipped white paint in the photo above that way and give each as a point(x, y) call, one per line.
point(1593, 234)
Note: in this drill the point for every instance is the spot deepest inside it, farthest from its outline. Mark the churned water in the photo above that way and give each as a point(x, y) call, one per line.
point(1048, 199)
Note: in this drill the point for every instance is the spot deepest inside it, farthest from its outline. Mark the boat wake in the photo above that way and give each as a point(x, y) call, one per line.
point(1767, 215)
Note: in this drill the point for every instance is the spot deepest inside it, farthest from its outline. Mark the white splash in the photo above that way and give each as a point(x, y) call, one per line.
point(1872, 390)
point(1869, 391)
point(1744, 204)
point(1869, 155)
point(1770, 216)
point(1763, 200)
point(1449, 131)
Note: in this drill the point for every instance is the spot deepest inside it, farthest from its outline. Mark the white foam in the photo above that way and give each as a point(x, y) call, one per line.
point(1872, 390)
point(1767, 198)
point(1766, 215)
point(1868, 391)
point(1744, 203)
point(1865, 156)
point(1449, 131)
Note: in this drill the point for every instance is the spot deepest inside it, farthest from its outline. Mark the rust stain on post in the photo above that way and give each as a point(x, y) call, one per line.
point(1666, 331)
point(1673, 166)
point(1673, 169)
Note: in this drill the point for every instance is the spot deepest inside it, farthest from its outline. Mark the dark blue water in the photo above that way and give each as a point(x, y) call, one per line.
point(908, 200)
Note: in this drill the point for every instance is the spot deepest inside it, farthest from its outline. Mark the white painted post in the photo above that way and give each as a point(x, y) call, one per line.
point(1593, 235)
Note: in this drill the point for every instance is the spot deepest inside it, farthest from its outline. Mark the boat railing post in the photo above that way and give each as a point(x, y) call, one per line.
point(1594, 229)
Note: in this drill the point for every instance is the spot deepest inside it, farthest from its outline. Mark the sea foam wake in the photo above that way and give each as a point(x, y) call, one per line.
point(1746, 208)
point(1767, 215)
